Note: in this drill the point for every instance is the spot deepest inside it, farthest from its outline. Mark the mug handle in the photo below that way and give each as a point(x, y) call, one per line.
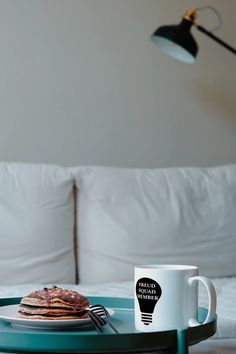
point(211, 299)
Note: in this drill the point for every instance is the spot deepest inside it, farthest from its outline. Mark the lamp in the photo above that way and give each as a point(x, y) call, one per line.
point(177, 40)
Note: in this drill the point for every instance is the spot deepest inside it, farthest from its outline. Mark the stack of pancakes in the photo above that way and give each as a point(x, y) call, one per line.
point(53, 304)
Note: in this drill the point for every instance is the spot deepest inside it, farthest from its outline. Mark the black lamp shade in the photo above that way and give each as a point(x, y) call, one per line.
point(177, 41)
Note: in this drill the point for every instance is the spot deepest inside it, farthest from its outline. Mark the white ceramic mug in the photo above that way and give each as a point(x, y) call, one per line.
point(166, 297)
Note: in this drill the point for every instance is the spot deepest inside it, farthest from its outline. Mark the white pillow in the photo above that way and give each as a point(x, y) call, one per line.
point(36, 224)
point(139, 216)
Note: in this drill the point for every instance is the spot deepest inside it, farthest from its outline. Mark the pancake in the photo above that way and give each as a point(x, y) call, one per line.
point(53, 303)
point(50, 311)
point(45, 317)
point(56, 297)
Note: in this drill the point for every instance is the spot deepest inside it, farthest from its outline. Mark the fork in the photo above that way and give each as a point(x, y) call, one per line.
point(97, 321)
point(102, 316)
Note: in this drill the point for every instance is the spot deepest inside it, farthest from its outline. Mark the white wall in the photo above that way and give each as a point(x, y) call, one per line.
point(81, 83)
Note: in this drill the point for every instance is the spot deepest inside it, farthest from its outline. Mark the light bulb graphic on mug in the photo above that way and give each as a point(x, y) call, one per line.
point(148, 293)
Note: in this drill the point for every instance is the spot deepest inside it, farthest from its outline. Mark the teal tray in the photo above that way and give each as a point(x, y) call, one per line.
point(19, 339)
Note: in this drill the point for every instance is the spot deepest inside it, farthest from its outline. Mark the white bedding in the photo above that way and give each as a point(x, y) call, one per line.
point(223, 342)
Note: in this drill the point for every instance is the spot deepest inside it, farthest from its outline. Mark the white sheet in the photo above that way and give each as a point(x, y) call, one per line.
point(223, 342)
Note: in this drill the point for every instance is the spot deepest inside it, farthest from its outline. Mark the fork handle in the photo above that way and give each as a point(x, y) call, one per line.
point(112, 327)
point(96, 325)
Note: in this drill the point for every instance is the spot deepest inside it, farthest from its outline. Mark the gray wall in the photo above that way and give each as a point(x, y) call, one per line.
point(81, 83)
